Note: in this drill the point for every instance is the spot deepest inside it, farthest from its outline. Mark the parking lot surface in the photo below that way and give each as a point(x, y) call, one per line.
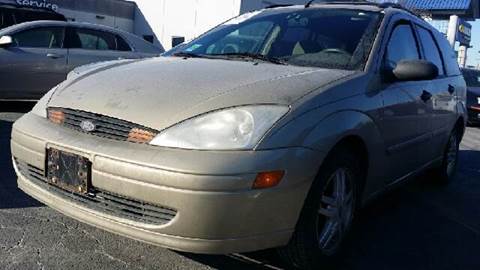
point(421, 225)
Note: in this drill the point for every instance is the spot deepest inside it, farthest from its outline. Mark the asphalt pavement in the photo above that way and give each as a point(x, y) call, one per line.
point(421, 225)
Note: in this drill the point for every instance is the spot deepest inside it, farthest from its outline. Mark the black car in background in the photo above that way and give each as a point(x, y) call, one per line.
point(11, 15)
point(472, 77)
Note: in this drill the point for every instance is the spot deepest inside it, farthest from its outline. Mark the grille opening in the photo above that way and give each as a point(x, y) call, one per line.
point(103, 201)
point(104, 126)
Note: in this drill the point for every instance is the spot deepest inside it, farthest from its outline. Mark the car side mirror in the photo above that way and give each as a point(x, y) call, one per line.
point(5, 41)
point(415, 70)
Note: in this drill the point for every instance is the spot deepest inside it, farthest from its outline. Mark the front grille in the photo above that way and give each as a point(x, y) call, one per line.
point(105, 126)
point(103, 201)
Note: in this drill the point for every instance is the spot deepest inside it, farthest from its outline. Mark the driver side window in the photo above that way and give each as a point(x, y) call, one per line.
point(43, 37)
point(402, 46)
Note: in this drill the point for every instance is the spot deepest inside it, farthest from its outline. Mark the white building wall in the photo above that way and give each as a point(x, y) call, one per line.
point(190, 18)
point(186, 18)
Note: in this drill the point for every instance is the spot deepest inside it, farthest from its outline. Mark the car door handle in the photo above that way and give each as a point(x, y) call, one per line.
point(426, 96)
point(54, 55)
point(451, 89)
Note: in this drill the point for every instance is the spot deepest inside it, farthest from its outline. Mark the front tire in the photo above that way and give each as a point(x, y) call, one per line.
point(327, 215)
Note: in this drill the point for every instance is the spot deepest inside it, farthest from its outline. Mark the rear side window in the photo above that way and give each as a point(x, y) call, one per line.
point(430, 49)
point(92, 40)
point(88, 39)
point(122, 45)
point(401, 46)
point(449, 56)
point(44, 37)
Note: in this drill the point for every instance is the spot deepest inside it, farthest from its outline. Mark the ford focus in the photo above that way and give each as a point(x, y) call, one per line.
point(269, 131)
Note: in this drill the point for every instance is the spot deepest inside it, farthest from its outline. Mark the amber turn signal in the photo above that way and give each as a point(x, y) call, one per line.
point(56, 116)
point(137, 135)
point(268, 179)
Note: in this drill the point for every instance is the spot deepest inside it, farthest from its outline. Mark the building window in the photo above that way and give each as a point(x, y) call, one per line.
point(176, 40)
point(148, 38)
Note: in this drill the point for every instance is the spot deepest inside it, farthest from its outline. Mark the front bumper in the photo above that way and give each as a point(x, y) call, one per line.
point(215, 209)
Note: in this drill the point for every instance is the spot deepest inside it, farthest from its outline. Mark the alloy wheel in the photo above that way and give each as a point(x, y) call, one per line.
point(452, 155)
point(335, 213)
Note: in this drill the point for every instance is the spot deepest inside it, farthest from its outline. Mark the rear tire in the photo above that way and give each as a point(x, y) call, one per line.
point(447, 171)
point(328, 213)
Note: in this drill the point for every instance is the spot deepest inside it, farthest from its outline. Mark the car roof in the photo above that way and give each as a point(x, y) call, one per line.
point(62, 23)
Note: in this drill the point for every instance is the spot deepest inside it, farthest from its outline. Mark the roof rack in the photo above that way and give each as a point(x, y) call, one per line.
point(357, 2)
point(278, 5)
point(369, 3)
point(390, 5)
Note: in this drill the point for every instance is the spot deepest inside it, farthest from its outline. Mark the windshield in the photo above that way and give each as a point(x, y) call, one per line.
point(327, 38)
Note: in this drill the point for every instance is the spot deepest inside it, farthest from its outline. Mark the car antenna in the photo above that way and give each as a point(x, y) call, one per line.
point(309, 3)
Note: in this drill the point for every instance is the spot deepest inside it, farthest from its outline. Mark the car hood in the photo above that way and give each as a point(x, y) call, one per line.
point(163, 91)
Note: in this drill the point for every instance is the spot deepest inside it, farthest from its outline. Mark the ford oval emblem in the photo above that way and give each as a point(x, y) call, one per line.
point(87, 126)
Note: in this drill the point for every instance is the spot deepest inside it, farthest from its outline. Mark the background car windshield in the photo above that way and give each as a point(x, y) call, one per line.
point(328, 38)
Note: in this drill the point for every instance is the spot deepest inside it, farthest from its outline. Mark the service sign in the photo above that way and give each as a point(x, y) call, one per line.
point(464, 33)
point(38, 4)
point(33, 4)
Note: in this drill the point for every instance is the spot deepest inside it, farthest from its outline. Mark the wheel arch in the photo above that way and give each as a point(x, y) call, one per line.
point(359, 133)
point(462, 118)
point(460, 126)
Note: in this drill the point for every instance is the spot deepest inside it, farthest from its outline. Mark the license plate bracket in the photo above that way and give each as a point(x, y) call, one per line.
point(68, 171)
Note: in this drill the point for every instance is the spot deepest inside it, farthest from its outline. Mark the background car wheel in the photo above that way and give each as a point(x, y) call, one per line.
point(446, 172)
point(327, 215)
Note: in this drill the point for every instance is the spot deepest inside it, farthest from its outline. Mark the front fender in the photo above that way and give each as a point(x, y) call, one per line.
point(324, 134)
point(339, 125)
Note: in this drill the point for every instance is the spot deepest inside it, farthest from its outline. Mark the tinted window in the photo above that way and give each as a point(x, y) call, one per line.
point(430, 49)
point(122, 45)
point(449, 56)
point(328, 38)
point(6, 18)
point(11, 16)
point(402, 46)
point(45, 37)
point(92, 40)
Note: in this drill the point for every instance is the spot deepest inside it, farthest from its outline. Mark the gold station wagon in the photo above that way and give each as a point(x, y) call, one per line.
point(268, 131)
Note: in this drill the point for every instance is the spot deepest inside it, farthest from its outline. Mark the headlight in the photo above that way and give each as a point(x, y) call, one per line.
point(233, 128)
point(40, 108)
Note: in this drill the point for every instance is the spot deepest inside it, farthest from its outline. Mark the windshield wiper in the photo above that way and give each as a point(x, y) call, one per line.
point(188, 55)
point(254, 56)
